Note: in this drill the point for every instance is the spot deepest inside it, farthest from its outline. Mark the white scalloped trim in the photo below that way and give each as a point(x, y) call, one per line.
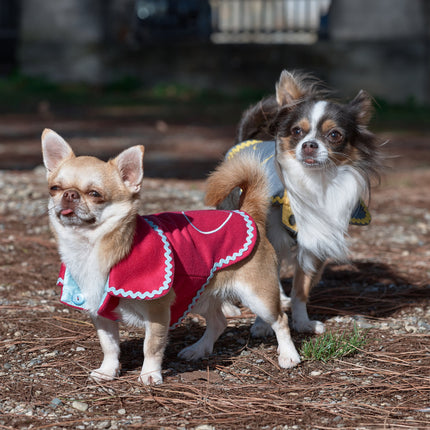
point(221, 263)
point(167, 269)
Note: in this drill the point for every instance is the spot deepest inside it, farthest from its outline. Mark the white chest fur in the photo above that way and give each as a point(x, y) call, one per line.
point(80, 253)
point(322, 201)
point(81, 257)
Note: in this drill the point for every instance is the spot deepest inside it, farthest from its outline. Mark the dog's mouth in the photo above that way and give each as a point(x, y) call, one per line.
point(69, 217)
point(312, 162)
point(67, 212)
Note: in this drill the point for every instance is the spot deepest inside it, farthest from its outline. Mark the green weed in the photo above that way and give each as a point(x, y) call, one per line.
point(329, 345)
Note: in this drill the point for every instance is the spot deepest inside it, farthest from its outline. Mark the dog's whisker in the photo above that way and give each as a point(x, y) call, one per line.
point(345, 156)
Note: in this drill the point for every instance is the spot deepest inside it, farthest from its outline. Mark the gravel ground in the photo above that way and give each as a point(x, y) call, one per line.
point(47, 349)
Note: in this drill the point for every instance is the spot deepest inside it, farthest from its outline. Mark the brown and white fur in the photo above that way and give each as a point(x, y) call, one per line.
point(92, 210)
point(325, 157)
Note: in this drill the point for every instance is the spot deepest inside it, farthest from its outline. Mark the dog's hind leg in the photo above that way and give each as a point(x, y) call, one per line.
point(215, 325)
point(230, 310)
point(260, 328)
point(288, 355)
point(268, 308)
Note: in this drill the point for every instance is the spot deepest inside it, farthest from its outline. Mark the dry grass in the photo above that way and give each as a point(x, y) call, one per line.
point(46, 353)
point(385, 385)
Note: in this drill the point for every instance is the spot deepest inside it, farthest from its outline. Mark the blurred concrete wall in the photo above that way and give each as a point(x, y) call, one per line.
point(380, 45)
point(383, 46)
point(62, 40)
point(378, 20)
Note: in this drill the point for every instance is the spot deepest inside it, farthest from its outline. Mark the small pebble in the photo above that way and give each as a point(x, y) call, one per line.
point(55, 402)
point(80, 406)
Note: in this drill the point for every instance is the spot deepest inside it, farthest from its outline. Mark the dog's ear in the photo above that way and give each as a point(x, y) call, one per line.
point(54, 150)
point(362, 107)
point(130, 166)
point(289, 89)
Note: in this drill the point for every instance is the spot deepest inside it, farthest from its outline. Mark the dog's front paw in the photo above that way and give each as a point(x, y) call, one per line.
point(309, 326)
point(104, 374)
point(151, 378)
point(261, 329)
point(287, 361)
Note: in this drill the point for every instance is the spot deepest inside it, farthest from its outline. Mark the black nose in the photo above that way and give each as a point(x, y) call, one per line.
point(310, 145)
point(71, 195)
point(309, 148)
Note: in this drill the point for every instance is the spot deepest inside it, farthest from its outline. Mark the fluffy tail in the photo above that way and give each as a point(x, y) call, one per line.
point(240, 183)
point(256, 121)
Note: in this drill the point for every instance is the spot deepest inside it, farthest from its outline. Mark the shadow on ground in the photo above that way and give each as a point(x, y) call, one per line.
point(370, 289)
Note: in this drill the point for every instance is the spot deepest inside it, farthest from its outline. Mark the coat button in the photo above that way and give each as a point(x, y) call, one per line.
point(78, 299)
point(292, 220)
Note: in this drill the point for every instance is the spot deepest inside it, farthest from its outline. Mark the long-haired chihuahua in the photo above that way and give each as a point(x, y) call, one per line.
point(320, 159)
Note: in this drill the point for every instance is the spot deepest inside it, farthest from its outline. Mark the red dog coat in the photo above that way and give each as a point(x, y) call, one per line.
point(182, 250)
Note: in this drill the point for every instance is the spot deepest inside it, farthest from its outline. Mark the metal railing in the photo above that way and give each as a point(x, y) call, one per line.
point(268, 21)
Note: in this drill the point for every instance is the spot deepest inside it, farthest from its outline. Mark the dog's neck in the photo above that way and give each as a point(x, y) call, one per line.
point(322, 201)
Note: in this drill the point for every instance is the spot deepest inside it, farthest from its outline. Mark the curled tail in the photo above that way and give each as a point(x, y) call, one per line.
point(240, 183)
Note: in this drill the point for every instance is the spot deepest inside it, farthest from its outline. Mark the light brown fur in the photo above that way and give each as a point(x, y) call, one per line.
point(92, 212)
point(289, 89)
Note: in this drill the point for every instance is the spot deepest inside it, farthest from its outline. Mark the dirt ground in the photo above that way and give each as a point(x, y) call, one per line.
point(47, 350)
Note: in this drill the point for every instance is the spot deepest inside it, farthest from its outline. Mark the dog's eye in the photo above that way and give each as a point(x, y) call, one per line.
point(296, 131)
point(335, 136)
point(55, 188)
point(94, 194)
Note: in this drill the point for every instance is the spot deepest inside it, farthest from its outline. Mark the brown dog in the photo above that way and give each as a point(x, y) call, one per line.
point(93, 212)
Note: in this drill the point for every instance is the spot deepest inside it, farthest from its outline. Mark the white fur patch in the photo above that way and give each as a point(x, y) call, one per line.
point(322, 201)
point(317, 113)
point(80, 250)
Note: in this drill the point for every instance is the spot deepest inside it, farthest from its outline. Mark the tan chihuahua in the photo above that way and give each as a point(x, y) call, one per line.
point(119, 266)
